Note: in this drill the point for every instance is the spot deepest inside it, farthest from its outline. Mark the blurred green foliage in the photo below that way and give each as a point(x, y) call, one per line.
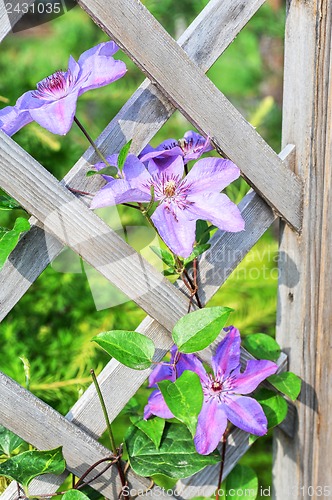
point(53, 323)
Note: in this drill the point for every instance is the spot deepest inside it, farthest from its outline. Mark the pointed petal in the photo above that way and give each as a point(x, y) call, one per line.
point(198, 143)
point(56, 116)
point(98, 68)
point(116, 192)
point(218, 209)
point(192, 363)
point(212, 423)
point(74, 69)
point(246, 414)
point(158, 161)
point(212, 174)
point(227, 356)
point(163, 371)
point(256, 371)
point(135, 172)
point(174, 227)
point(13, 119)
point(157, 406)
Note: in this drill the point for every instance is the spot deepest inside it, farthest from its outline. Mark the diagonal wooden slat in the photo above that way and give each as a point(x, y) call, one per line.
point(76, 226)
point(139, 119)
point(45, 428)
point(169, 67)
point(9, 16)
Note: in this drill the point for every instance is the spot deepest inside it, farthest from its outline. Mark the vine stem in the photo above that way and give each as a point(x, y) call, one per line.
point(91, 141)
point(222, 463)
point(109, 428)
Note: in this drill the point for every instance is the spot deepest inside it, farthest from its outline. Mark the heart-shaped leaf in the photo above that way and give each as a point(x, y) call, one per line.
point(176, 456)
point(274, 406)
point(153, 428)
point(288, 383)
point(10, 239)
point(74, 495)
point(199, 329)
point(9, 441)
point(130, 348)
point(261, 346)
point(24, 467)
point(184, 398)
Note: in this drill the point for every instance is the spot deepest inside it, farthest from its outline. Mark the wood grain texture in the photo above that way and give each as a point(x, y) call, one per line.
point(45, 428)
point(139, 119)
point(8, 21)
point(84, 232)
point(305, 287)
point(163, 60)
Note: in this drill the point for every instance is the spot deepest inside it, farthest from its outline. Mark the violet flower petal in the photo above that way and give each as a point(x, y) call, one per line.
point(212, 172)
point(227, 356)
point(56, 116)
point(175, 228)
point(98, 67)
point(256, 371)
point(212, 423)
point(13, 119)
point(157, 406)
point(164, 371)
point(116, 192)
point(192, 363)
point(246, 414)
point(135, 172)
point(216, 208)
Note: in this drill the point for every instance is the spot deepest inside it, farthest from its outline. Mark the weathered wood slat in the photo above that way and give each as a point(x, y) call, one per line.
point(76, 226)
point(45, 428)
point(9, 16)
point(163, 60)
point(139, 119)
point(302, 467)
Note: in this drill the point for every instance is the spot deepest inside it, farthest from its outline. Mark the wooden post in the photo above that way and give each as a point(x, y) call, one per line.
point(303, 466)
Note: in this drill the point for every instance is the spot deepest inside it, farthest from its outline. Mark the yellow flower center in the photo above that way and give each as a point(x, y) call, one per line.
point(169, 189)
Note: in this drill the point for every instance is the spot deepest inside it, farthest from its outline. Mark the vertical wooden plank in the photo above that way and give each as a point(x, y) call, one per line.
point(302, 467)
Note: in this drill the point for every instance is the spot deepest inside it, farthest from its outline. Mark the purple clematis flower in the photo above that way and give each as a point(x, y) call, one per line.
point(53, 103)
point(181, 202)
point(223, 394)
point(190, 147)
point(171, 370)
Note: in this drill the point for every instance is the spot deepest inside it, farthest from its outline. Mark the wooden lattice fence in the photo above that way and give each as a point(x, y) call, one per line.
point(177, 80)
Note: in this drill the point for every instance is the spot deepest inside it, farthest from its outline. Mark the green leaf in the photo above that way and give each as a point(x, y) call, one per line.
point(123, 154)
point(164, 255)
point(9, 441)
point(288, 383)
point(199, 329)
point(242, 481)
point(274, 406)
point(184, 398)
point(74, 495)
point(198, 250)
point(8, 203)
point(203, 231)
point(261, 346)
point(176, 456)
point(132, 349)
point(10, 239)
point(109, 170)
point(153, 428)
point(24, 467)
